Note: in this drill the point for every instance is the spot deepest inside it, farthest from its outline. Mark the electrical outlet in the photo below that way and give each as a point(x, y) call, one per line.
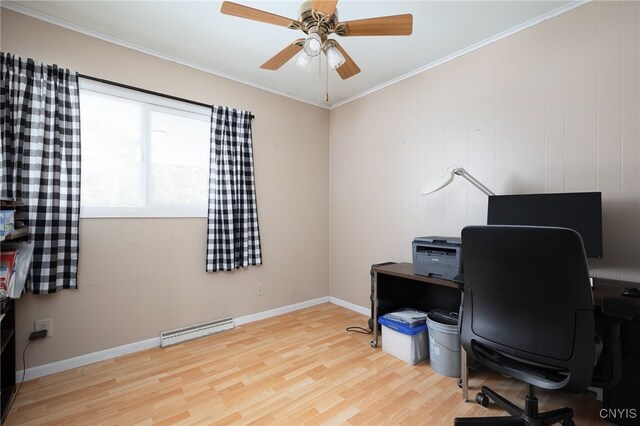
point(45, 324)
point(259, 289)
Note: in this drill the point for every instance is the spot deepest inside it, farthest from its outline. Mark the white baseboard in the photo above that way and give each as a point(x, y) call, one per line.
point(279, 311)
point(79, 361)
point(351, 306)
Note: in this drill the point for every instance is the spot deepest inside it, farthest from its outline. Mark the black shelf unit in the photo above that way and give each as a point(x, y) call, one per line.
point(7, 355)
point(8, 321)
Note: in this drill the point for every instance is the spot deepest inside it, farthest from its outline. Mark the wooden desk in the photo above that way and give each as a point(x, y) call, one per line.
point(395, 286)
point(626, 394)
point(604, 287)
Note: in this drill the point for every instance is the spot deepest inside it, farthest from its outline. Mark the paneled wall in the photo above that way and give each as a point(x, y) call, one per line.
point(138, 277)
point(553, 108)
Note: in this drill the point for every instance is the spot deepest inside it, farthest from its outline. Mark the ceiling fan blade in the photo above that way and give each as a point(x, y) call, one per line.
point(326, 6)
point(283, 56)
point(349, 68)
point(382, 26)
point(235, 9)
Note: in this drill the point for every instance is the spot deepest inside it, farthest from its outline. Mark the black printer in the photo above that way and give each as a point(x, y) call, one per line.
point(439, 257)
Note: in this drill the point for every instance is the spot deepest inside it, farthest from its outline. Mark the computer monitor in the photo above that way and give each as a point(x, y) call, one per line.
point(580, 211)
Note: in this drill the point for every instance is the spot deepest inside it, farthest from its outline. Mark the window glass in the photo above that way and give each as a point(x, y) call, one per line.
point(179, 159)
point(142, 155)
point(111, 154)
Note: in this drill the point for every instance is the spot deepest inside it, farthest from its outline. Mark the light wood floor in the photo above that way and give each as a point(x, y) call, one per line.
point(298, 368)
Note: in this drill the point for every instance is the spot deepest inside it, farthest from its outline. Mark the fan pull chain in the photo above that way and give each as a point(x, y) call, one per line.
point(326, 75)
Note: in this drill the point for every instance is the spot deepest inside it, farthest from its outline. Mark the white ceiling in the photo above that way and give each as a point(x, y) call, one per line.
point(197, 34)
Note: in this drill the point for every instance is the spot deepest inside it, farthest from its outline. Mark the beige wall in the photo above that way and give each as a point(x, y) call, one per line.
point(553, 108)
point(142, 276)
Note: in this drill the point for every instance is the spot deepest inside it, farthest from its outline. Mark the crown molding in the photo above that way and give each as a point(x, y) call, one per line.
point(504, 34)
point(77, 28)
point(61, 23)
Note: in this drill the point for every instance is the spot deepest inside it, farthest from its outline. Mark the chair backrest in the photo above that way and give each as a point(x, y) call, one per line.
point(528, 305)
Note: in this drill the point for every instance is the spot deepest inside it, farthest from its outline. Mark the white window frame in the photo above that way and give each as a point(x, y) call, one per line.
point(149, 103)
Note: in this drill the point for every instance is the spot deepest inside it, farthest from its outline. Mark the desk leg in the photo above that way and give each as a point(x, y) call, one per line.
point(465, 375)
point(374, 314)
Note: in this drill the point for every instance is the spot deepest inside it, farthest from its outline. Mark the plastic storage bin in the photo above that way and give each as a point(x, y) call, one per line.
point(410, 344)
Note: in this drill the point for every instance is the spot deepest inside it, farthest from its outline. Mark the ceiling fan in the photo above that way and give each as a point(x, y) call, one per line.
point(319, 19)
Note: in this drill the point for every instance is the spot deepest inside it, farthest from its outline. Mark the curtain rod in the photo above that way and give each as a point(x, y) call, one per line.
point(149, 92)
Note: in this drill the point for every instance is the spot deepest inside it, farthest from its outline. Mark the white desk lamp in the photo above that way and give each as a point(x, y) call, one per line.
point(447, 178)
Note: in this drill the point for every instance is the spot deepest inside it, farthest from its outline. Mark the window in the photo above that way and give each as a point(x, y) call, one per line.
point(142, 155)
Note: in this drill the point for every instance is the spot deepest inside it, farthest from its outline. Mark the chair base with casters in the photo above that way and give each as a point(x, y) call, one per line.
point(527, 416)
point(528, 313)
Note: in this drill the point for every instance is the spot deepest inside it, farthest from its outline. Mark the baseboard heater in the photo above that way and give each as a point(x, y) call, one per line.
point(173, 337)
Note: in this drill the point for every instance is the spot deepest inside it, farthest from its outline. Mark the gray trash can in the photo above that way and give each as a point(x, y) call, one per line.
point(444, 343)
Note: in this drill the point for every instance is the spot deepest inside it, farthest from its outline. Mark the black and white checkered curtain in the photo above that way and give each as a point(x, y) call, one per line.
point(233, 238)
point(40, 124)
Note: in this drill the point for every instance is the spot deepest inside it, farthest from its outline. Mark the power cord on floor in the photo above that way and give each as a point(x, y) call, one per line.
point(40, 334)
point(24, 371)
point(360, 330)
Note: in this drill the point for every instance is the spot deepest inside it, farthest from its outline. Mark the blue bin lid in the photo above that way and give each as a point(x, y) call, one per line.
point(401, 327)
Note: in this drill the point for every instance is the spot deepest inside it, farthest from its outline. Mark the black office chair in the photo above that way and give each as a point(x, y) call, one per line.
point(528, 314)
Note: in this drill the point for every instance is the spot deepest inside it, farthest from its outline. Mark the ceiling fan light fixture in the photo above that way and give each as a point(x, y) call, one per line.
point(318, 19)
point(304, 61)
point(335, 58)
point(313, 44)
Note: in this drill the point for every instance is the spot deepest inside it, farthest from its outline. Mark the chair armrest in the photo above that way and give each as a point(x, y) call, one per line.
point(617, 309)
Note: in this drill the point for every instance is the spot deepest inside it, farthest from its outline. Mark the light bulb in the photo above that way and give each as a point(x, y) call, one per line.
point(304, 61)
point(313, 44)
point(336, 60)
